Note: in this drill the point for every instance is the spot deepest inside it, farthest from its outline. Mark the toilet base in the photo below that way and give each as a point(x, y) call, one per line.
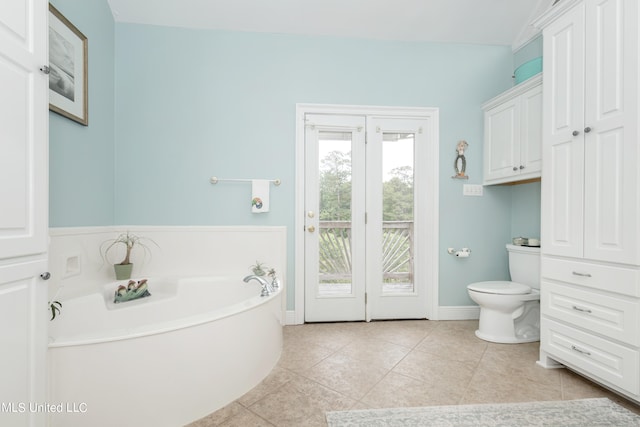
point(506, 340)
point(520, 326)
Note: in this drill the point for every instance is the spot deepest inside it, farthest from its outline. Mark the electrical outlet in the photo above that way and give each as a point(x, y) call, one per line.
point(72, 266)
point(472, 190)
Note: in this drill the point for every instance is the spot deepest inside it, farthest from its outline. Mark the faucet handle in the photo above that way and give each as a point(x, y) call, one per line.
point(275, 283)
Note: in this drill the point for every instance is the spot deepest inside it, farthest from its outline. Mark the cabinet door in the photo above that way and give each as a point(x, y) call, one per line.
point(24, 131)
point(502, 140)
point(531, 131)
point(563, 146)
point(611, 147)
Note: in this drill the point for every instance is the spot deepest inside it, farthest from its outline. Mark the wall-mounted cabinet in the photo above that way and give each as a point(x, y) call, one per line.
point(513, 134)
point(590, 290)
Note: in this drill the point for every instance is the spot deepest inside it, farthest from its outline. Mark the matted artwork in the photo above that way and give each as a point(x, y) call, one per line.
point(67, 69)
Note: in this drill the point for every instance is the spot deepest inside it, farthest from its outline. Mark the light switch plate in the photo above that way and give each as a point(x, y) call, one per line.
point(472, 190)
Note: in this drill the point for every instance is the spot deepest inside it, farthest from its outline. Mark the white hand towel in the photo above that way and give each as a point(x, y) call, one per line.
point(259, 195)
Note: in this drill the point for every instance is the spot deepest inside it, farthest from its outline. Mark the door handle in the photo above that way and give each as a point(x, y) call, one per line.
point(311, 229)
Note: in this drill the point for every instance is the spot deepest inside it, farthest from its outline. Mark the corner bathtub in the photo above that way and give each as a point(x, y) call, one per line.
point(193, 346)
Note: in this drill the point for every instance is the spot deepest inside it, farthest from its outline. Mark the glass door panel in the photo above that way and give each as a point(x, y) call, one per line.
point(334, 264)
point(397, 212)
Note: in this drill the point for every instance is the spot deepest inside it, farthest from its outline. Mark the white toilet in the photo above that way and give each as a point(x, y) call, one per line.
point(510, 311)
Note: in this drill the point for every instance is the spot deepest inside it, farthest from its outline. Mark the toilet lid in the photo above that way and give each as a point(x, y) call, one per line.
point(500, 287)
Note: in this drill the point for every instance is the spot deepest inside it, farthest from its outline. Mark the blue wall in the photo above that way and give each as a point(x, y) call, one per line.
point(190, 104)
point(81, 168)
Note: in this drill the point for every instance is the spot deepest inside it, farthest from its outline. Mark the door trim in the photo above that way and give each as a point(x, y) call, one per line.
point(431, 248)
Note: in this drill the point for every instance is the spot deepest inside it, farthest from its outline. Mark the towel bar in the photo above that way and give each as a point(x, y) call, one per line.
point(215, 180)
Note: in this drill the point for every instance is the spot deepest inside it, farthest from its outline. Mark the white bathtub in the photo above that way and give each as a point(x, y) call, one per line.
point(190, 348)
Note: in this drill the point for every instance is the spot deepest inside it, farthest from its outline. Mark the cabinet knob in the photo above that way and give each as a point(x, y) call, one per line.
point(45, 276)
point(515, 168)
point(311, 229)
point(575, 133)
point(521, 167)
point(587, 129)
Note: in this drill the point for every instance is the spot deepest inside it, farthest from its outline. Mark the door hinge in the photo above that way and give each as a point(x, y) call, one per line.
point(366, 137)
point(366, 217)
point(366, 297)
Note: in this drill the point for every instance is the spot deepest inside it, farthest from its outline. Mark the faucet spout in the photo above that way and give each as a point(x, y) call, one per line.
point(266, 286)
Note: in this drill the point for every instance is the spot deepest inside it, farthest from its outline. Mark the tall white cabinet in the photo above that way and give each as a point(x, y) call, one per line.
point(24, 136)
point(590, 290)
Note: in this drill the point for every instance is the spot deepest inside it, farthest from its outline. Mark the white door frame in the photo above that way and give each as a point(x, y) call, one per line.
point(431, 248)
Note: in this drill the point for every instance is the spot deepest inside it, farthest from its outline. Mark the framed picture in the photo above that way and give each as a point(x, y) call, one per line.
point(67, 69)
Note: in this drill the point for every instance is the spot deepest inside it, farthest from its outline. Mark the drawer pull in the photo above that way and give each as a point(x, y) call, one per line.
point(583, 310)
point(576, 273)
point(586, 353)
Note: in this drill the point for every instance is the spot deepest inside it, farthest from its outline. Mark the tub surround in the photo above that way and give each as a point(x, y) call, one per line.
point(77, 268)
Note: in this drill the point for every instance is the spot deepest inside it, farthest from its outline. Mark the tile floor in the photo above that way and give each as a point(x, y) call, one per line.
point(342, 366)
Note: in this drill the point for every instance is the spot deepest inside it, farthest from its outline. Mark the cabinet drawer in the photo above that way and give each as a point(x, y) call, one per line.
point(602, 359)
point(611, 315)
point(597, 276)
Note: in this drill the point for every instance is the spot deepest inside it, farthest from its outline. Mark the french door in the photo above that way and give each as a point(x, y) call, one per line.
point(368, 184)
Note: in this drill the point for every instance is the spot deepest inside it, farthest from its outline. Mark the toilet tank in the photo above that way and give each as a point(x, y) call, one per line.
point(524, 265)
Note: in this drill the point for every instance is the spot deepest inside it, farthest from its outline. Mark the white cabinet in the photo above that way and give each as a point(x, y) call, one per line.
point(513, 134)
point(24, 133)
point(590, 292)
point(590, 131)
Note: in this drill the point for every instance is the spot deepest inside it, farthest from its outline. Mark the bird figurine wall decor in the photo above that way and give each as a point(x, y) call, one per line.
point(460, 163)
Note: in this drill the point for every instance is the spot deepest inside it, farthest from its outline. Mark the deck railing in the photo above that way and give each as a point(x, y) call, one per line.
point(335, 251)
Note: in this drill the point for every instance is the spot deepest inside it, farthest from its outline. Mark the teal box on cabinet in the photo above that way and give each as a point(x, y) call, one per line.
point(528, 70)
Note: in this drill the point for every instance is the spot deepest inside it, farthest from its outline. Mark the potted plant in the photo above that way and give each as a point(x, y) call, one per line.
point(259, 269)
point(54, 308)
point(129, 240)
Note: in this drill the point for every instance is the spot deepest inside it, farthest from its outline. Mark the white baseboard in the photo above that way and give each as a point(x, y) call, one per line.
point(290, 317)
point(462, 312)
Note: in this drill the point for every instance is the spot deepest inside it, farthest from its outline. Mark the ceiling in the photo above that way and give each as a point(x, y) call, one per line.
point(501, 22)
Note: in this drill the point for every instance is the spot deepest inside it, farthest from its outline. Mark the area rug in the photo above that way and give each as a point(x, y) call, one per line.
point(570, 413)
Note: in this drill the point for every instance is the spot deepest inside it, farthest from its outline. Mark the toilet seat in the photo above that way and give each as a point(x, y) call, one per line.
point(500, 288)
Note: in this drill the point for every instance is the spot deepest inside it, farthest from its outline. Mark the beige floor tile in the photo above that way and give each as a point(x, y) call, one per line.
point(348, 376)
point(246, 418)
point(575, 386)
point(433, 369)
point(218, 417)
point(495, 387)
point(407, 333)
point(276, 379)
point(518, 361)
point(396, 390)
point(332, 336)
point(299, 355)
point(301, 402)
point(454, 344)
point(358, 365)
point(376, 352)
